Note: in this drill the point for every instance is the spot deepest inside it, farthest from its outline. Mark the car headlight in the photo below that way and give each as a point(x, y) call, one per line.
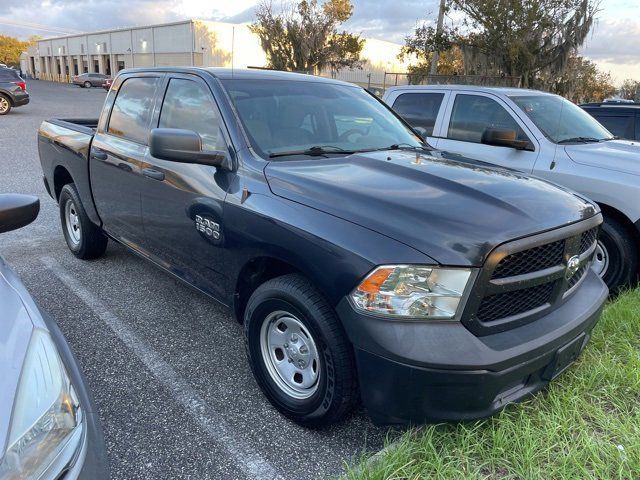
point(46, 421)
point(413, 291)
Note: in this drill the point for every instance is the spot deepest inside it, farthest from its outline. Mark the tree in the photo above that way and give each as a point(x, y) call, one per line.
point(581, 81)
point(422, 46)
point(630, 90)
point(305, 37)
point(11, 48)
point(525, 38)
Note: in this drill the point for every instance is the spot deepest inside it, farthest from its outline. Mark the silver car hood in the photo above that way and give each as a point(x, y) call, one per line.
point(620, 155)
point(19, 316)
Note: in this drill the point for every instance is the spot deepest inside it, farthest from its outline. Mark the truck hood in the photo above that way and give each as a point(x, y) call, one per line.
point(620, 155)
point(455, 212)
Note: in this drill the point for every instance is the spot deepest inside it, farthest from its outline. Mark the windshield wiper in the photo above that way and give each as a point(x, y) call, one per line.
point(408, 146)
point(399, 146)
point(581, 140)
point(314, 151)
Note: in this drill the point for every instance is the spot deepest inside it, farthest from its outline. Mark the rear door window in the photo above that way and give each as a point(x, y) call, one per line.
point(188, 105)
point(473, 114)
point(419, 109)
point(132, 110)
point(9, 75)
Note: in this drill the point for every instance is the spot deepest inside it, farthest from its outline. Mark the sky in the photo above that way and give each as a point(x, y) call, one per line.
point(614, 42)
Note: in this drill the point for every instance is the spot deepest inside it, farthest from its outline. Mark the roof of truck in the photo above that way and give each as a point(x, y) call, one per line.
point(243, 73)
point(509, 91)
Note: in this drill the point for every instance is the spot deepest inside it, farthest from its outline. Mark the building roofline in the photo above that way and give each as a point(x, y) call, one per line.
point(123, 29)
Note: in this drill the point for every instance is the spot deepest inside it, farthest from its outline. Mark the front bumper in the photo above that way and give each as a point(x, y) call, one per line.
point(417, 372)
point(90, 462)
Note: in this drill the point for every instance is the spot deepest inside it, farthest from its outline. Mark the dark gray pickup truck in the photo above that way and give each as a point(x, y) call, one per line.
point(362, 263)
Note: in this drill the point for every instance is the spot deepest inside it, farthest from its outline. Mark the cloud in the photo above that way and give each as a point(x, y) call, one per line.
point(614, 41)
point(373, 18)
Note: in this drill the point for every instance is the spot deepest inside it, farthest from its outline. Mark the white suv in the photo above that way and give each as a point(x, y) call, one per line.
point(544, 135)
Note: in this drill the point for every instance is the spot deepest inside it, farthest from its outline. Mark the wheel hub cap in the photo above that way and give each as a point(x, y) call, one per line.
point(72, 222)
point(600, 262)
point(290, 355)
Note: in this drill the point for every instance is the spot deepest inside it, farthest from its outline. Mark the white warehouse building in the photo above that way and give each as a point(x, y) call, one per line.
point(184, 43)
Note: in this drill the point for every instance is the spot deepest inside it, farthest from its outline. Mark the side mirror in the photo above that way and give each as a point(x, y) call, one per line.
point(499, 137)
point(184, 146)
point(422, 132)
point(16, 211)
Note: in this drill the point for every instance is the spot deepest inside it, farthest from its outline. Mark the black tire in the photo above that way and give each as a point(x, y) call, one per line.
point(90, 242)
point(87, 84)
point(336, 390)
point(5, 104)
point(621, 252)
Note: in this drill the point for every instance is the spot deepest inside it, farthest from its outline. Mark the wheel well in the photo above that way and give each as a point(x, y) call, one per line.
point(61, 177)
point(253, 274)
point(608, 211)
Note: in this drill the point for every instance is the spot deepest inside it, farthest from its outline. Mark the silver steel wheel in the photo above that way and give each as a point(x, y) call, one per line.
point(290, 354)
point(600, 259)
point(4, 105)
point(72, 222)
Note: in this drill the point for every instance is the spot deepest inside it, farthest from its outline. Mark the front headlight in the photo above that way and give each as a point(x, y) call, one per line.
point(46, 415)
point(412, 291)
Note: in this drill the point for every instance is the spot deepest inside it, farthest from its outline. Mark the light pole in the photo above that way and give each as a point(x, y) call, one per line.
point(436, 53)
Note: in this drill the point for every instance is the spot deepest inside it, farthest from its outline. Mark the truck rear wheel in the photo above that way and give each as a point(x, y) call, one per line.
point(84, 239)
point(616, 256)
point(299, 352)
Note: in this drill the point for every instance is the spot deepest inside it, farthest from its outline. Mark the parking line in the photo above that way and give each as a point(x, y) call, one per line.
point(248, 460)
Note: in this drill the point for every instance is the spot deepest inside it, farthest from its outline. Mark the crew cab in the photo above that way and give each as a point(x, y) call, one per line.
point(545, 135)
point(362, 263)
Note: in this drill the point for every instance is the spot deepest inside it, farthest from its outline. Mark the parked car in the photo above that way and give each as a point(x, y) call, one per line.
point(107, 84)
point(88, 80)
point(621, 119)
point(13, 90)
point(544, 135)
point(48, 425)
point(355, 256)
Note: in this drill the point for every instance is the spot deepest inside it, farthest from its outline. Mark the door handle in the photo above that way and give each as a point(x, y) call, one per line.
point(151, 173)
point(98, 155)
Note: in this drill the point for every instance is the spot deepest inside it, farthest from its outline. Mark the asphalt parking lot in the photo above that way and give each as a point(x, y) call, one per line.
point(166, 365)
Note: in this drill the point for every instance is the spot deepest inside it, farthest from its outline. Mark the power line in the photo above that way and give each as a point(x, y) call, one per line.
point(36, 26)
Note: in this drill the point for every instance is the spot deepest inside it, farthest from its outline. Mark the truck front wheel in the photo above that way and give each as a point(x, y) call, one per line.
point(299, 352)
point(84, 239)
point(616, 256)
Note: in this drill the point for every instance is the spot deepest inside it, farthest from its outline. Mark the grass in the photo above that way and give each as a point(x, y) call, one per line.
point(586, 425)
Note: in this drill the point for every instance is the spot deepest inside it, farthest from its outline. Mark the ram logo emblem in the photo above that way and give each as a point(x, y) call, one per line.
point(573, 265)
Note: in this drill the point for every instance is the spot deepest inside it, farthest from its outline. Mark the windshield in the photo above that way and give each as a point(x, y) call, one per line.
point(560, 120)
point(288, 117)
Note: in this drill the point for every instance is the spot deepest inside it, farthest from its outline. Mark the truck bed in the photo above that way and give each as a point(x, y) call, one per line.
point(81, 125)
point(64, 146)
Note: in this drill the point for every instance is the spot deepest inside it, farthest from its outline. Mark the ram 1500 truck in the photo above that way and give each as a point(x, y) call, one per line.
point(362, 264)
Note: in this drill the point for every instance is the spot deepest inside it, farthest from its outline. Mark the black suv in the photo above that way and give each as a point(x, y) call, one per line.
point(621, 119)
point(13, 90)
